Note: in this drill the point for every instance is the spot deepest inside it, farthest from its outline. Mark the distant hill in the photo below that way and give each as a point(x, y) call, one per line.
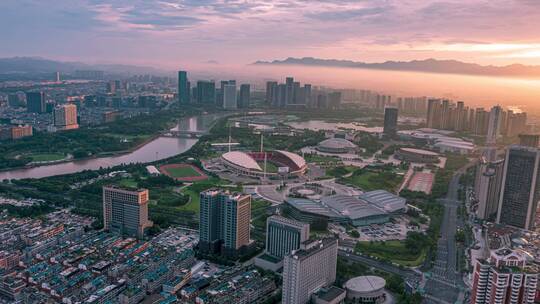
point(427, 65)
point(36, 65)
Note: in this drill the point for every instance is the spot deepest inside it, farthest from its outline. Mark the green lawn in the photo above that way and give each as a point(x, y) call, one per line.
point(196, 188)
point(394, 251)
point(340, 171)
point(180, 172)
point(194, 202)
point(369, 181)
point(43, 157)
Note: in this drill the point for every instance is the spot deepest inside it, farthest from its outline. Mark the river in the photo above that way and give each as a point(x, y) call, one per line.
point(159, 148)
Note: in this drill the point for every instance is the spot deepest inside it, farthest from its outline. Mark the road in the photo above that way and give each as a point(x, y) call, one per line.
point(445, 282)
point(405, 273)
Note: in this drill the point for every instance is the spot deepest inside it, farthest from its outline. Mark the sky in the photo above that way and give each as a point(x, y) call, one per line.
point(171, 33)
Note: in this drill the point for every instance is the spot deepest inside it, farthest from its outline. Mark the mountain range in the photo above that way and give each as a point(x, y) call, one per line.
point(37, 65)
point(427, 65)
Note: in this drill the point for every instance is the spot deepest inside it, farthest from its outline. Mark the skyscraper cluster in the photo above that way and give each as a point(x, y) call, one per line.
point(288, 94)
point(308, 264)
point(225, 96)
point(379, 101)
point(447, 115)
point(115, 87)
point(411, 105)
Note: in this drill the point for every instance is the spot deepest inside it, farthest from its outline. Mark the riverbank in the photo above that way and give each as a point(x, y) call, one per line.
point(90, 157)
point(155, 148)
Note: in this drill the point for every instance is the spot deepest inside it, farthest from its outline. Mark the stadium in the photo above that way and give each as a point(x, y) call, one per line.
point(336, 146)
point(264, 164)
point(374, 207)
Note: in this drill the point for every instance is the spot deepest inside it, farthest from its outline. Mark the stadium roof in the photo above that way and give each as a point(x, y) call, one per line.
point(242, 159)
point(385, 200)
point(295, 158)
point(337, 143)
point(309, 206)
point(373, 203)
point(351, 206)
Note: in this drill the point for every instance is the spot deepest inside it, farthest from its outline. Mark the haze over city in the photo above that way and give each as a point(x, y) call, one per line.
point(222, 37)
point(270, 151)
point(168, 33)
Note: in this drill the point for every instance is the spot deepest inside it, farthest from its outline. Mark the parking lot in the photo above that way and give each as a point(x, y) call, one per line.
point(396, 230)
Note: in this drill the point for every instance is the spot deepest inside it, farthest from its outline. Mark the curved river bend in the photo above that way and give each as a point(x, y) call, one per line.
point(159, 148)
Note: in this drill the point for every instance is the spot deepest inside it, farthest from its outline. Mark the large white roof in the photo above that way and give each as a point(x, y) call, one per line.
point(365, 284)
point(297, 159)
point(337, 143)
point(242, 159)
point(385, 200)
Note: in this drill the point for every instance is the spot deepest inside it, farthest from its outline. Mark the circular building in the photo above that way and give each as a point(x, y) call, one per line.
point(336, 146)
point(417, 155)
point(366, 289)
point(260, 164)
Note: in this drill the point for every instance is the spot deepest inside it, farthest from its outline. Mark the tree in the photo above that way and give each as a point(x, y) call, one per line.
point(354, 233)
point(416, 241)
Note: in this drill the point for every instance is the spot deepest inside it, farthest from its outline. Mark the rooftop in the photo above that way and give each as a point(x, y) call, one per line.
point(385, 200)
point(287, 221)
point(351, 206)
point(365, 284)
point(337, 143)
point(297, 159)
point(311, 247)
point(242, 159)
point(306, 205)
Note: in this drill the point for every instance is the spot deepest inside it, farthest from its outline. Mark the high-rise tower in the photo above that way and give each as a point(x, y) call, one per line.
point(224, 221)
point(520, 187)
point(125, 211)
point(183, 88)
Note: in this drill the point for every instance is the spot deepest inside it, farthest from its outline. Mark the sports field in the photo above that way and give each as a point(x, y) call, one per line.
point(183, 172)
point(270, 167)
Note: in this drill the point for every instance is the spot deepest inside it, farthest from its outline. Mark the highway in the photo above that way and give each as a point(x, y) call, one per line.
point(445, 282)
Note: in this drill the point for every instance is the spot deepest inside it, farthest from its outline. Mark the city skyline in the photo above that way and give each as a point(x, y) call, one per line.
point(240, 32)
point(270, 151)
